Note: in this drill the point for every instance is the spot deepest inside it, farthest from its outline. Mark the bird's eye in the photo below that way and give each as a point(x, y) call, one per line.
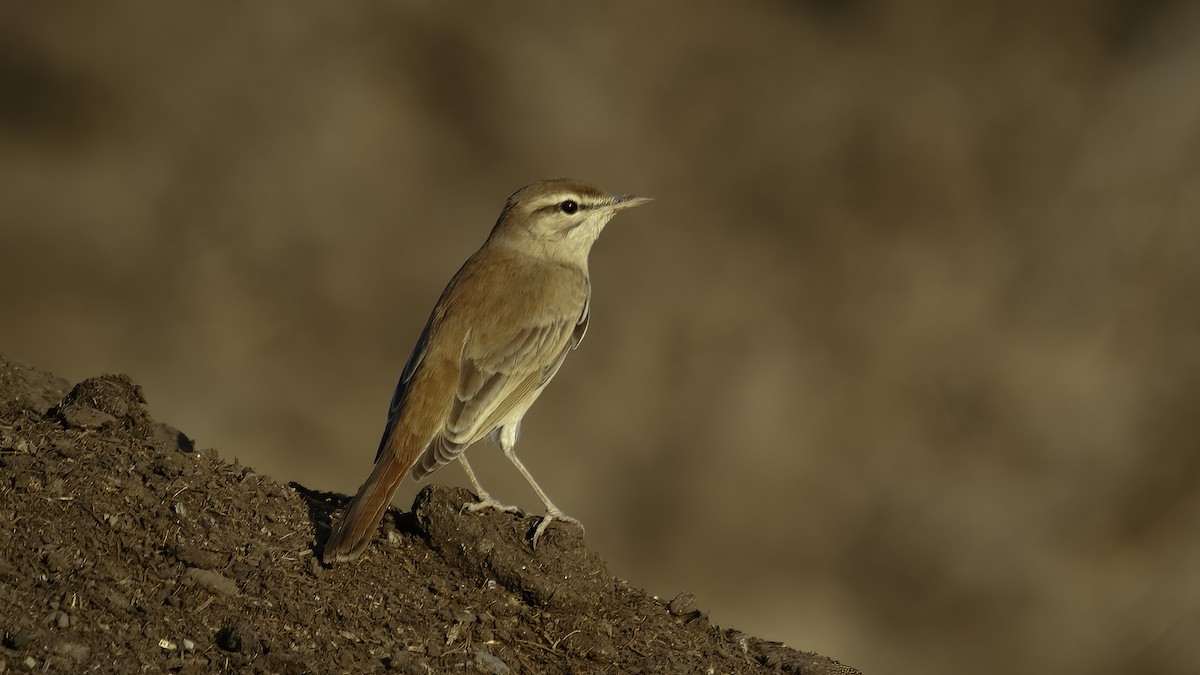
point(568, 207)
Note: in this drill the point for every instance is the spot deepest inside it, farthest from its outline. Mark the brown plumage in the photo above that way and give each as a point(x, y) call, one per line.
point(498, 334)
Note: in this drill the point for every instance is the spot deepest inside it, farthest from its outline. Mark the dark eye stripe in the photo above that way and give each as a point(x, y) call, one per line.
point(561, 202)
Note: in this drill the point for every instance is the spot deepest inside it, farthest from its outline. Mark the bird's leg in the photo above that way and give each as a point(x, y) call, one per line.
point(552, 512)
point(486, 501)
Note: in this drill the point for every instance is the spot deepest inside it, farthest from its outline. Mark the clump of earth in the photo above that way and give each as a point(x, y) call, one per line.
point(129, 550)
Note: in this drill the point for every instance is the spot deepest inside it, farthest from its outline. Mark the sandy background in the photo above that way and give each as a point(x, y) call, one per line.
point(903, 366)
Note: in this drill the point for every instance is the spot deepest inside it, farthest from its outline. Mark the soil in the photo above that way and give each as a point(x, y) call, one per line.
point(132, 551)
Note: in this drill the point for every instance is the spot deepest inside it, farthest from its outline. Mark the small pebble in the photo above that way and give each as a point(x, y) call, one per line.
point(75, 650)
point(491, 664)
point(212, 580)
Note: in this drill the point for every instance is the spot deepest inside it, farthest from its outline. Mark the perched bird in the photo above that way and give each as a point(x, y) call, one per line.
point(498, 334)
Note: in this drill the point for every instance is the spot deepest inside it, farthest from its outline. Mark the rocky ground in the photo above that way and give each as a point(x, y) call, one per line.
point(129, 550)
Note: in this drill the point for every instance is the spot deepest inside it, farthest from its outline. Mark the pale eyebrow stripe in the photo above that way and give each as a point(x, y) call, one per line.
point(552, 201)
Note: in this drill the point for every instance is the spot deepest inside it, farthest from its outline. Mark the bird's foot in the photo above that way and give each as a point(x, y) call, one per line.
point(487, 501)
point(550, 517)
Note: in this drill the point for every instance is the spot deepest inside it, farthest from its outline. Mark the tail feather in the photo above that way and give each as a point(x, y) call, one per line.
point(354, 531)
point(413, 423)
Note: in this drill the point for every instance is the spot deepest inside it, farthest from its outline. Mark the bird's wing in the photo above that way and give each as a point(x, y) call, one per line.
point(497, 384)
point(406, 377)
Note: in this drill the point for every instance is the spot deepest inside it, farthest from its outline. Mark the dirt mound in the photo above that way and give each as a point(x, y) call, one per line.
point(129, 550)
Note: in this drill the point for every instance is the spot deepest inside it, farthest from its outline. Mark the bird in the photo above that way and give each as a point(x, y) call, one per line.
point(496, 337)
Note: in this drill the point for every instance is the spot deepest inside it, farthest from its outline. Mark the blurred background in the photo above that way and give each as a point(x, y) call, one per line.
point(903, 366)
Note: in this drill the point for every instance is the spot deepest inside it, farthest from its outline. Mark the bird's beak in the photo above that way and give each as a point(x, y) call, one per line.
point(622, 202)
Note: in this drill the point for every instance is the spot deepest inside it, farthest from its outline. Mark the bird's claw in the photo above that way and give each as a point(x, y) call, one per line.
point(487, 502)
point(550, 517)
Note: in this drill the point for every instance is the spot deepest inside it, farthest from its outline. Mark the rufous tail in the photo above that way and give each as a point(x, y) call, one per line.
point(354, 531)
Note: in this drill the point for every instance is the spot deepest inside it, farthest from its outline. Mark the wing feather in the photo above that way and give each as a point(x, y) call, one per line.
point(495, 386)
point(415, 359)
